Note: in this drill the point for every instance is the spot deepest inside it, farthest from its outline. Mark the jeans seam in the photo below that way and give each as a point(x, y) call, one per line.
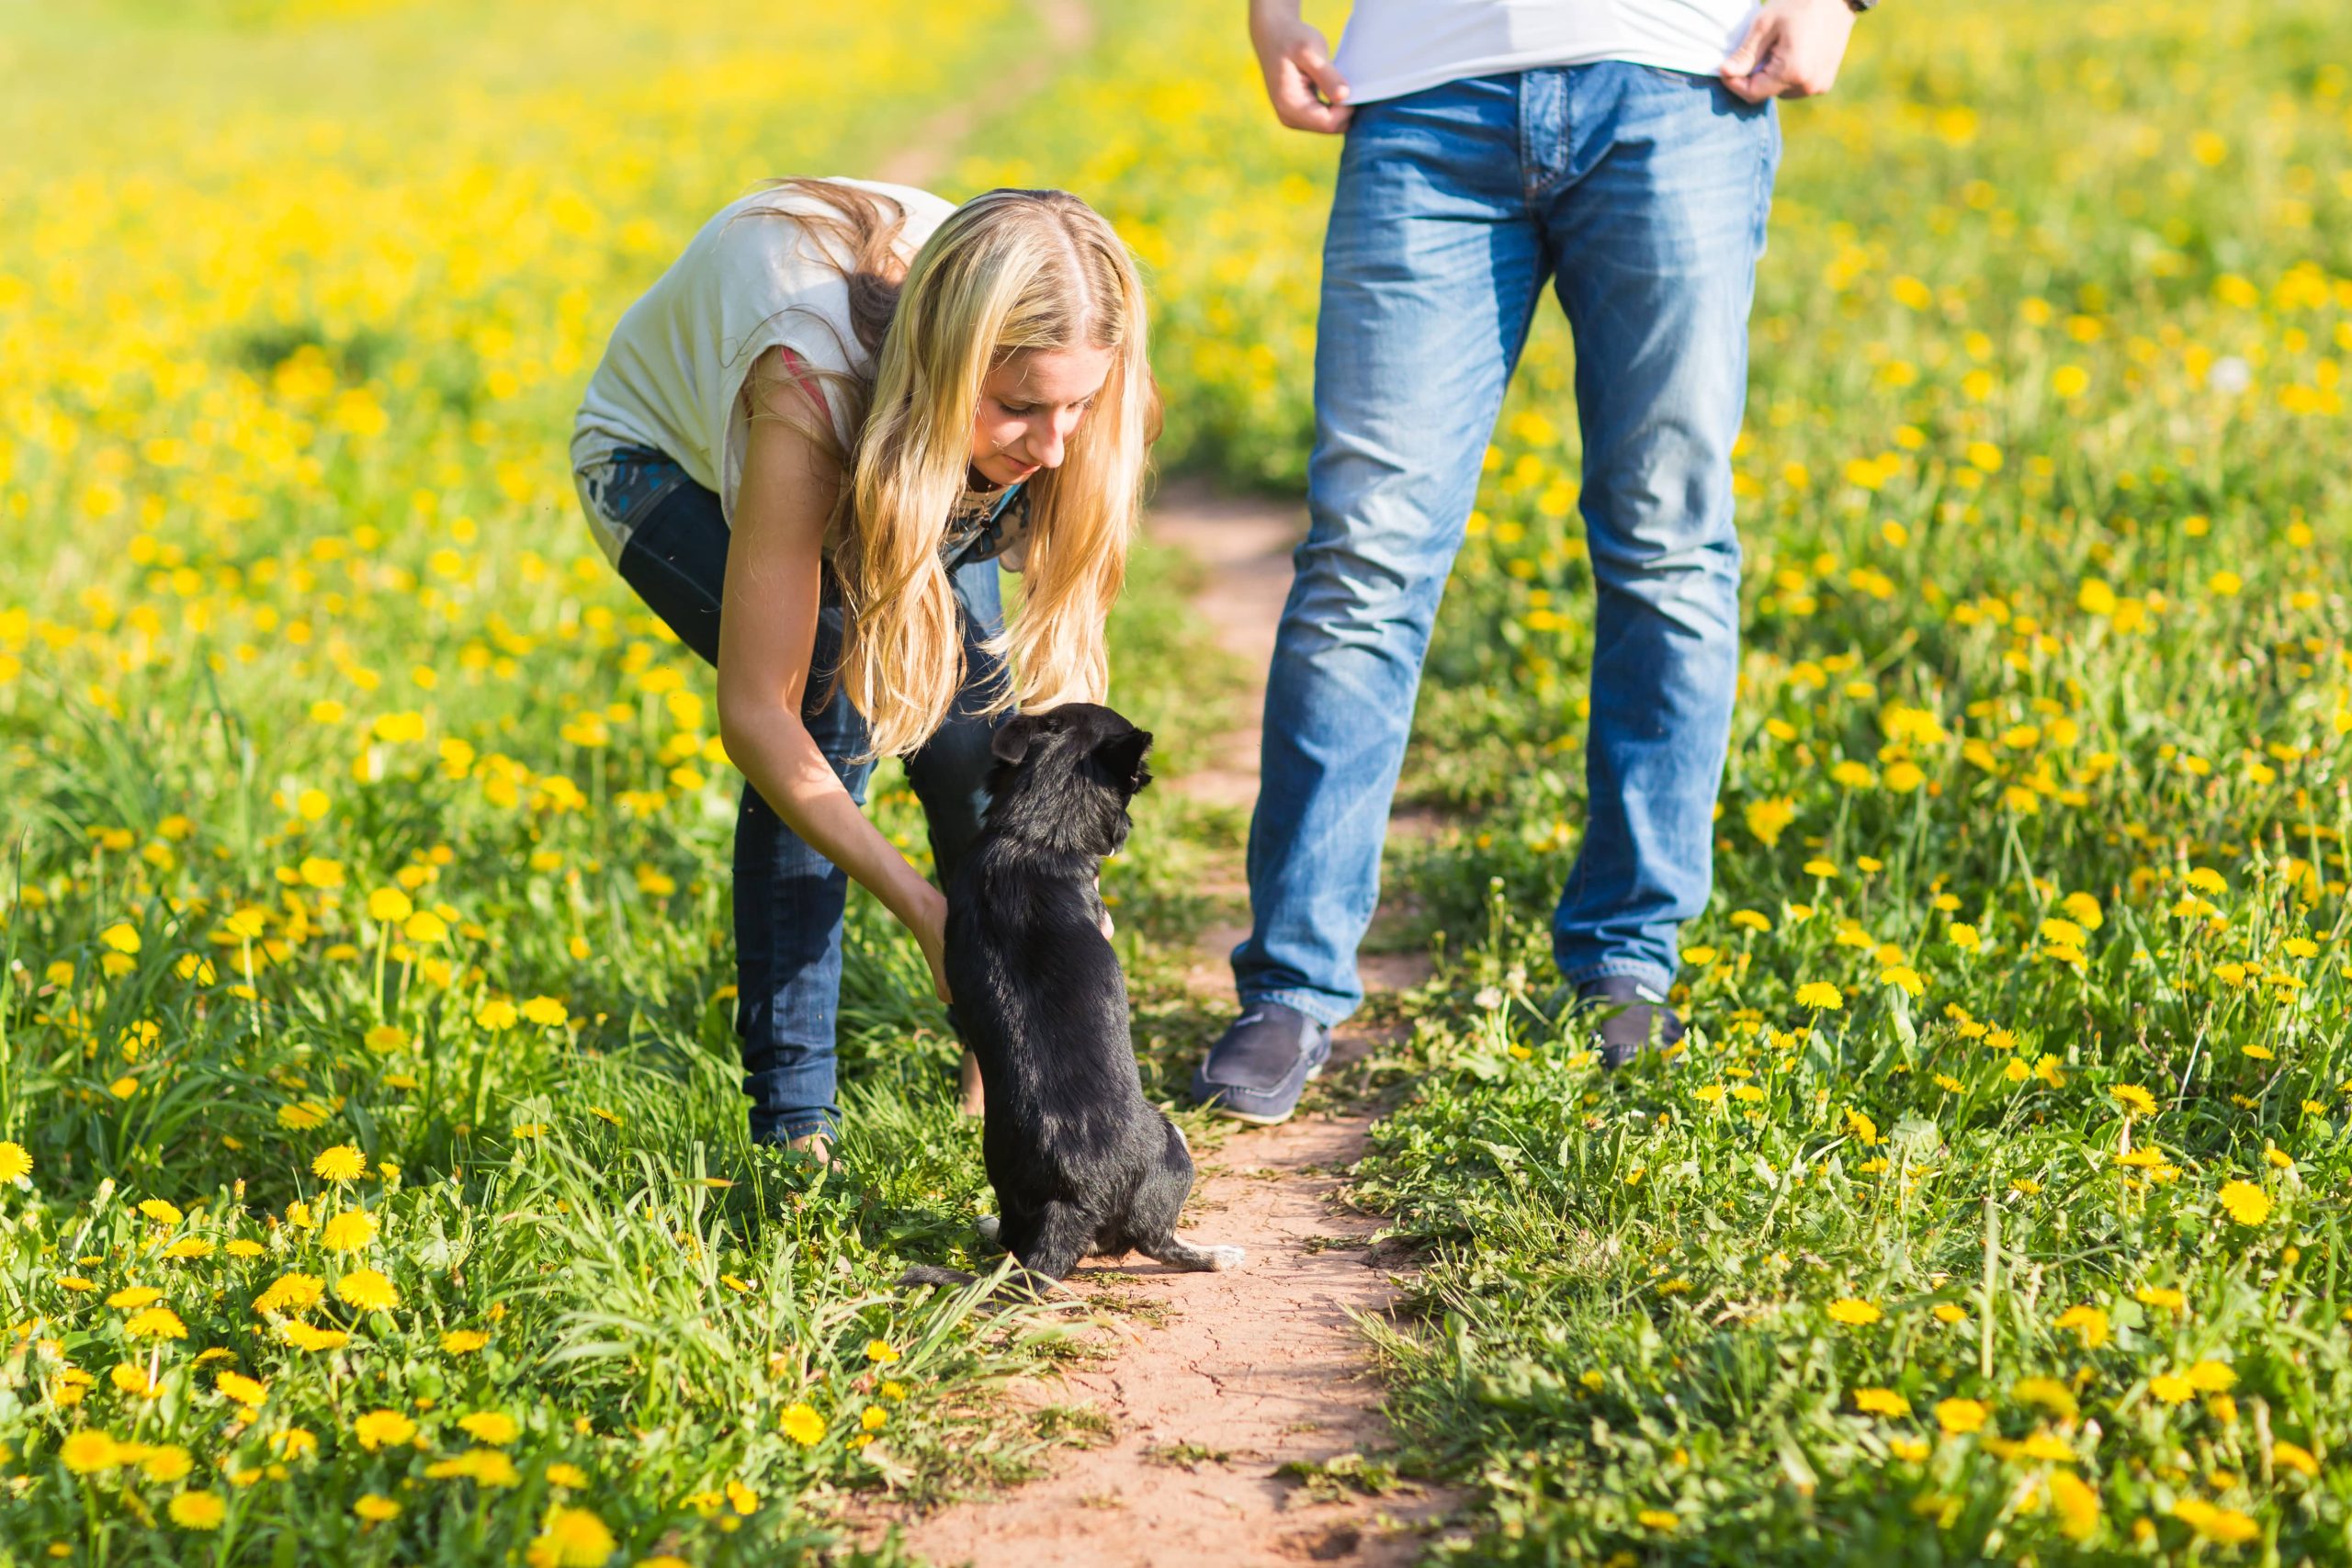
point(1624, 968)
point(1313, 1004)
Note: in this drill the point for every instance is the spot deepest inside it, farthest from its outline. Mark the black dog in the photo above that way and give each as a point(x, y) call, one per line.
point(1083, 1166)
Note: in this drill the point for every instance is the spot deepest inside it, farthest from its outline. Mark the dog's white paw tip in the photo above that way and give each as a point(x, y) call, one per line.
point(1223, 1257)
point(987, 1225)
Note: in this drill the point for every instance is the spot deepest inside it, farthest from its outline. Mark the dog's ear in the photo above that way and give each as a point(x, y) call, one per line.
point(1122, 757)
point(1010, 742)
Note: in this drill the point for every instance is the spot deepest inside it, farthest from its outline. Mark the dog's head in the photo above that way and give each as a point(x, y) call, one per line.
point(1064, 775)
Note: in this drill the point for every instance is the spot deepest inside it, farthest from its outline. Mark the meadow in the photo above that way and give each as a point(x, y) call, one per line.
point(371, 1159)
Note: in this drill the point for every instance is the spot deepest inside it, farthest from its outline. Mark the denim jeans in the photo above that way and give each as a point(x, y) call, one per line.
point(789, 898)
point(1641, 196)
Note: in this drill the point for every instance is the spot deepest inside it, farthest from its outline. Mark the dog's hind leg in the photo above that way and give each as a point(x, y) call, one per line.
point(1177, 1253)
point(1151, 1222)
point(1060, 1236)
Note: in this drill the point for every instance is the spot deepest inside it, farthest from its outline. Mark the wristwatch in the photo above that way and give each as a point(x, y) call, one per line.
point(1858, 6)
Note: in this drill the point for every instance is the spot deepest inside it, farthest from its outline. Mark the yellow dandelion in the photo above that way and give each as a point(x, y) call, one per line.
point(1853, 1312)
point(2211, 1377)
point(2088, 1323)
point(340, 1163)
point(14, 1163)
point(155, 1323)
point(1959, 1418)
point(490, 1426)
point(2049, 1393)
point(376, 1509)
point(166, 1462)
point(382, 1429)
point(349, 1230)
point(291, 1293)
point(87, 1451)
point(367, 1290)
point(483, 1467)
point(248, 1391)
point(303, 1336)
point(2226, 1525)
point(2077, 1503)
point(198, 1510)
point(1881, 1402)
point(803, 1426)
point(390, 905)
point(464, 1341)
point(570, 1538)
point(2245, 1202)
point(1820, 995)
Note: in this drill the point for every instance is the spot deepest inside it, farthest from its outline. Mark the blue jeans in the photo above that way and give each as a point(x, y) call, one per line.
point(789, 898)
point(1641, 196)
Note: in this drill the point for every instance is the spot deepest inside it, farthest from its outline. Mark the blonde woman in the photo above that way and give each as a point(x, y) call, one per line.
point(808, 448)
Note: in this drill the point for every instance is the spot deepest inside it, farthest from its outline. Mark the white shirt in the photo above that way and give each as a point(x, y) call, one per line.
point(1394, 47)
point(673, 376)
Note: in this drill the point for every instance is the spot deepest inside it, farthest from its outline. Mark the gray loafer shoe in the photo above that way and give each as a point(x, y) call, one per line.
point(1626, 1018)
point(1260, 1065)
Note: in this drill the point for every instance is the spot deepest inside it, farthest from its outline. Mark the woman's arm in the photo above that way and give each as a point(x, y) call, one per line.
point(767, 631)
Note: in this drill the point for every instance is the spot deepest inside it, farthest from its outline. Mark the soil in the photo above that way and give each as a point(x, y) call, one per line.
point(1249, 1376)
point(1066, 28)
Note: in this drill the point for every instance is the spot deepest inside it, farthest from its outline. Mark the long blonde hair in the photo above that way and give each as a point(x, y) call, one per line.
point(1009, 271)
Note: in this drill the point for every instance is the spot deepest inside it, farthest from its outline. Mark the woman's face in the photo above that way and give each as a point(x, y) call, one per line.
point(1030, 405)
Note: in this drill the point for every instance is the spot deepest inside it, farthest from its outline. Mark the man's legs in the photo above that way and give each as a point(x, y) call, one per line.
point(1656, 227)
point(1432, 266)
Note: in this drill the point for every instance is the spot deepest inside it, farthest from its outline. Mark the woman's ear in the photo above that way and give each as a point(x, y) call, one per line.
point(1010, 742)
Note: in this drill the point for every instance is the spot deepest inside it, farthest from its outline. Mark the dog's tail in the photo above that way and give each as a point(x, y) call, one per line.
point(929, 1274)
point(1017, 1285)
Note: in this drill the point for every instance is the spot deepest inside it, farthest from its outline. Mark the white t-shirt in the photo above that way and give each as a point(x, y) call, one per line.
point(1394, 47)
point(673, 376)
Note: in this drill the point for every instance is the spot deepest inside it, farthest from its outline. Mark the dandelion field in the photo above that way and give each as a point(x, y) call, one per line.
point(370, 1154)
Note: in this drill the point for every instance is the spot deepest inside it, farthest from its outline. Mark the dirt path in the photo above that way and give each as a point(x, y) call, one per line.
point(1066, 28)
point(1248, 1371)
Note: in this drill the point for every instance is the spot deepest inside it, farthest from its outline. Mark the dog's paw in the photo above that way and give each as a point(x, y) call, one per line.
point(1224, 1258)
point(988, 1225)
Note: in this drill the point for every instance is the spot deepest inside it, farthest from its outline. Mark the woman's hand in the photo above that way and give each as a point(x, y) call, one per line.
point(927, 918)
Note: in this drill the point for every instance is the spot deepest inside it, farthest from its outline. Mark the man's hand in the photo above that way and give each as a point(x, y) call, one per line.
point(1793, 51)
point(1307, 92)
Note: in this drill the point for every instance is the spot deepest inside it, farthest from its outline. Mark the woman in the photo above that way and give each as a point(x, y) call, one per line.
point(807, 448)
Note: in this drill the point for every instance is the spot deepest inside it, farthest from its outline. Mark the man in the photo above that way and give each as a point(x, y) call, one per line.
point(1624, 150)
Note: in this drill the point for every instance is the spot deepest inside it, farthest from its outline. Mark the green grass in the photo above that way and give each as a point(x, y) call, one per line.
point(2044, 702)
